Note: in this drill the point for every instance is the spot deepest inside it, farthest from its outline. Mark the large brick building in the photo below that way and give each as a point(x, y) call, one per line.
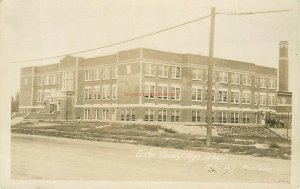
point(148, 85)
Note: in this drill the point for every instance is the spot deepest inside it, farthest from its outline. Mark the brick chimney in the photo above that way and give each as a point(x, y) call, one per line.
point(283, 67)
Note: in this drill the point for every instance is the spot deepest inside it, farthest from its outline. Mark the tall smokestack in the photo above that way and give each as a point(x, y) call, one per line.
point(283, 67)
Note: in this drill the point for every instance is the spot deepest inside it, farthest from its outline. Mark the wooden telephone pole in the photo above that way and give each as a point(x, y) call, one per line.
point(209, 81)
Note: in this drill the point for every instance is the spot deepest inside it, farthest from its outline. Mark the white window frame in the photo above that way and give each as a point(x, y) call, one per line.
point(246, 95)
point(223, 117)
point(162, 91)
point(175, 115)
point(88, 93)
point(87, 75)
point(262, 83)
point(163, 71)
point(162, 115)
point(40, 80)
point(272, 83)
point(271, 99)
point(196, 90)
point(233, 98)
point(97, 92)
point(223, 77)
point(175, 93)
point(263, 99)
point(149, 92)
point(96, 74)
point(246, 117)
point(150, 69)
point(235, 78)
point(105, 92)
point(87, 114)
point(114, 93)
point(174, 72)
point(150, 115)
point(246, 79)
point(197, 74)
point(40, 96)
point(222, 99)
point(105, 73)
point(234, 117)
point(197, 114)
point(67, 81)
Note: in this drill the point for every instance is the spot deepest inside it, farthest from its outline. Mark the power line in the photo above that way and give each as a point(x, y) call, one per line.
point(117, 43)
point(257, 12)
point(152, 33)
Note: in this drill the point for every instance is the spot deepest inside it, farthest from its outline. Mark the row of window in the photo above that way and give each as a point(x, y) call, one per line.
point(105, 92)
point(51, 79)
point(235, 95)
point(162, 115)
point(235, 78)
point(95, 74)
point(163, 71)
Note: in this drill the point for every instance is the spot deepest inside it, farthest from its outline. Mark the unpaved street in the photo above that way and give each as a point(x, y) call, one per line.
point(40, 157)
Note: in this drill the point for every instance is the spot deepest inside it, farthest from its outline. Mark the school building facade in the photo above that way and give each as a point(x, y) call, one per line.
point(148, 85)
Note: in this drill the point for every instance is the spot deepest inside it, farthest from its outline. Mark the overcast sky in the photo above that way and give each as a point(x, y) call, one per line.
point(35, 29)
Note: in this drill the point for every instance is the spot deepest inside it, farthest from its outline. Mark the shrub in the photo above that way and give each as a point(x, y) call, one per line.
point(274, 145)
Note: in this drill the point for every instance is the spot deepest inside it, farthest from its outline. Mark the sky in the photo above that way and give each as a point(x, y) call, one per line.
point(41, 28)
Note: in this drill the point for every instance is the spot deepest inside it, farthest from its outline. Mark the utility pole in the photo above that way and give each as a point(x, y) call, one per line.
point(209, 80)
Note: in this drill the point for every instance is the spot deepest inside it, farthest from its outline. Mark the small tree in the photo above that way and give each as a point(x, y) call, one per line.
point(15, 103)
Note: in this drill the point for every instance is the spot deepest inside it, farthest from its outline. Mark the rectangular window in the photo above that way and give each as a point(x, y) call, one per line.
point(67, 81)
point(114, 72)
point(40, 96)
point(196, 116)
point(106, 73)
point(149, 69)
point(235, 78)
point(163, 71)
point(246, 117)
point(197, 74)
point(96, 74)
point(97, 93)
point(105, 92)
point(87, 75)
point(105, 113)
point(162, 92)
point(162, 115)
point(246, 79)
point(222, 117)
point(149, 115)
point(175, 93)
point(114, 92)
point(97, 114)
point(87, 93)
point(47, 80)
point(149, 91)
point(175, 114)
point(87, 114)
point(40, 80)
point(223, 95)
point(263, 99)
point(196, 94)
point(223, 77)
point(256, 81)
point(235, 97)
point(246, 96)
point(271, 99)
point(234, 117)
point(262, 83)
point(272, 83)
point(175, 72)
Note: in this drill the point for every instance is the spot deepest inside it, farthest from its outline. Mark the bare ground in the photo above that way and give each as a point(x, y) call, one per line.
point(40, 157)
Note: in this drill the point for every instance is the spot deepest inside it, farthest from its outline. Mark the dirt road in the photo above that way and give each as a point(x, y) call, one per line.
point(40, 157)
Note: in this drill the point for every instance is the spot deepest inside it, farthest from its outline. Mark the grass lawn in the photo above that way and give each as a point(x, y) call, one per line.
point(155, 135)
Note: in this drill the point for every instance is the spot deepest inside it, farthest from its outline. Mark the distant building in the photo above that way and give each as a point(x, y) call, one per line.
point(149, 85)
